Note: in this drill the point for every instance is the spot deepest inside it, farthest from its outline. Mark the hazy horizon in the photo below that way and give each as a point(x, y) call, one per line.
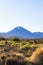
point(25, 13)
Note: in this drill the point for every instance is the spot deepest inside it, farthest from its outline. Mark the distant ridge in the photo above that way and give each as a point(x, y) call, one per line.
point(21, 32)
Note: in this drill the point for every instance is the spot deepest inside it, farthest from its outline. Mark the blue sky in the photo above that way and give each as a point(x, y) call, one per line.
point(25, 13)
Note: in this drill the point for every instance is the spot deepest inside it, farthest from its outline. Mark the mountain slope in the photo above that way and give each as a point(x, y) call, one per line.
point(21, 33)
point(37, 35)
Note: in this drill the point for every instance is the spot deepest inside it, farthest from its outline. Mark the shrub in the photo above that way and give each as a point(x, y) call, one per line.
point(2, 45)
point(16, 39)
point(2, 39)
point(33, 46)
point(26, 47)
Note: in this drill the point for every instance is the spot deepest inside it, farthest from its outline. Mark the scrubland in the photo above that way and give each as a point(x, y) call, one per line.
point(17, 51)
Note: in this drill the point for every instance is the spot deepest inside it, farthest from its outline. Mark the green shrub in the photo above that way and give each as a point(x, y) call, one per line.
point(16, 39)
point(2, 39)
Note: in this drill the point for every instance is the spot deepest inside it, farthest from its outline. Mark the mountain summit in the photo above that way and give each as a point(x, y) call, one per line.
point(21, 32)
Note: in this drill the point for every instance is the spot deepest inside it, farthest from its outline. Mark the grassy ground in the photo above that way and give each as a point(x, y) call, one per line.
point(18, 49)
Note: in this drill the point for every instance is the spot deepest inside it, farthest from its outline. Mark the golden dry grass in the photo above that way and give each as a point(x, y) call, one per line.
point(37, 55)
